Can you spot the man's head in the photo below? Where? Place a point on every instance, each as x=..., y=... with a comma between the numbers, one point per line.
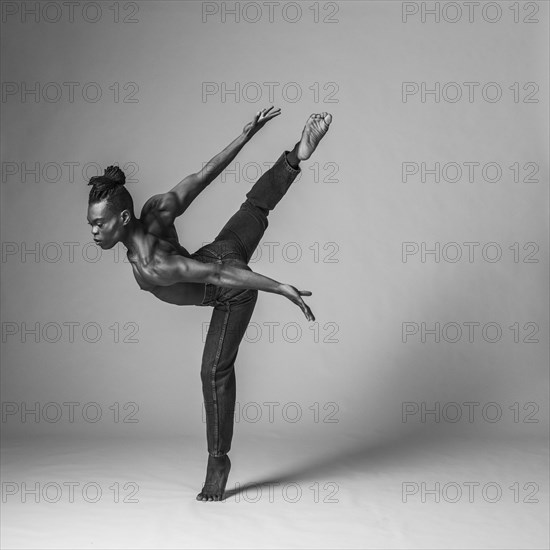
x=110, y=207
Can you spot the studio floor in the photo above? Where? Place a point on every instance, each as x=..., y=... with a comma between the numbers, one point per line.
x=417, y=492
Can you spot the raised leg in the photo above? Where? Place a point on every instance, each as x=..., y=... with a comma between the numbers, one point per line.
x=247, y=226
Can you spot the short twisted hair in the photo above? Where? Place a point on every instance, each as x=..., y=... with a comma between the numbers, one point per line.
x=110, y=187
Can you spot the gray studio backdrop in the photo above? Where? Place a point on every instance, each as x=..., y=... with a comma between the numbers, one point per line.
x=420, y=224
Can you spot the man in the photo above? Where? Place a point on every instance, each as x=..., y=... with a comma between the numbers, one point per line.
x=216, y=275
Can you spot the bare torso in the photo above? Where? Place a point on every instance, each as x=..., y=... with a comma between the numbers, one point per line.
x=159, y=242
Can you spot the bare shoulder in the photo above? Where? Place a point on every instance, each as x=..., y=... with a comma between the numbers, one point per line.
x=159, y=203
x=158, y=215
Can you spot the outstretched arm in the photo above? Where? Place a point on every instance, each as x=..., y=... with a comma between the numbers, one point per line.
x=185, y=192
x=179, y=269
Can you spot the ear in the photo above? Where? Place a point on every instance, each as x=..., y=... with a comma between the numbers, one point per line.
x=126, y=217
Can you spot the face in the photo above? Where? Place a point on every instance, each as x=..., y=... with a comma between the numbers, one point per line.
x=108, y=228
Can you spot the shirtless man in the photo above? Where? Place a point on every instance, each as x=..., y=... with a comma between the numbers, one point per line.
x=216, y=275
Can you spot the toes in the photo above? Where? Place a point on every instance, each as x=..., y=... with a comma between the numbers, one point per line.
x=208, y=498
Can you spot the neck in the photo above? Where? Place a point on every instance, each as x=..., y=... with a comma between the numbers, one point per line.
x=134, y=236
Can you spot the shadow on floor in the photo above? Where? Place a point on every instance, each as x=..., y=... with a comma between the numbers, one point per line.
x=356, y=459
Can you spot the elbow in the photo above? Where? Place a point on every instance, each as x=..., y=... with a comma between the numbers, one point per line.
x=207, y=173
x=215, y=276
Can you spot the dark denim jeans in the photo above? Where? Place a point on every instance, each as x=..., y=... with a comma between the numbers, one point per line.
x=233, y=308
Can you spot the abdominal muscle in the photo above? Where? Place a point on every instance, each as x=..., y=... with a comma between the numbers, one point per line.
x=180, y=294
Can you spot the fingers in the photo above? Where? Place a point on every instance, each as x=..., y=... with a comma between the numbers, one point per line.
x=267, y=115
x=304, y=293
x=307, y=311
x=273, y=114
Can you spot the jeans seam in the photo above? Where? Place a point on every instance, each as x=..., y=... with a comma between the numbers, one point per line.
x=216, y=427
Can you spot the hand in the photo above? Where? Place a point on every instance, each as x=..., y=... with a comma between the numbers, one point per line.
x=259, y=121
x=295, y=295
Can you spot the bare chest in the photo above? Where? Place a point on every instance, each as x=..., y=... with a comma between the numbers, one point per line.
x=180, y=294
x=144, y=261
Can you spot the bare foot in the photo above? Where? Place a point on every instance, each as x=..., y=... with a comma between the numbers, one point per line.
x=217, y=473
x=314, y=130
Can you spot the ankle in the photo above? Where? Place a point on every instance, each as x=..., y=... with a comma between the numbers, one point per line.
x=218, y=458
x=292, y=157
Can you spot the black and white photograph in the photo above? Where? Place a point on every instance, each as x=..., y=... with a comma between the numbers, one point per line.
x=274, y=274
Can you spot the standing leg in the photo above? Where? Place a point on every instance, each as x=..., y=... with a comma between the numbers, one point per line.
x=227, y=328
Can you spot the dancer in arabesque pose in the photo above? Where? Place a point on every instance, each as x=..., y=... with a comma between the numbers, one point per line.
x=216, y=275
